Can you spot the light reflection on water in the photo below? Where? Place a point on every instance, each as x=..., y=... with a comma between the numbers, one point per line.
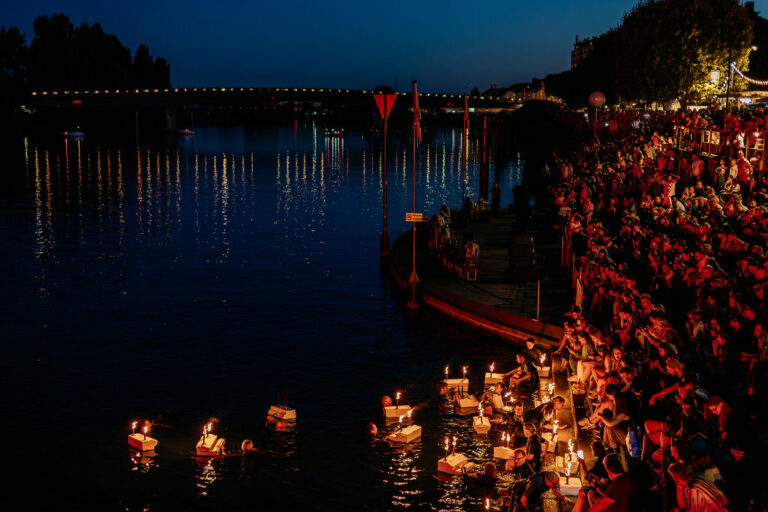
x=248, y=266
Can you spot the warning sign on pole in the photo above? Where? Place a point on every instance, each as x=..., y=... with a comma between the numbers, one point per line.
x=414, y=217
x=385, y=103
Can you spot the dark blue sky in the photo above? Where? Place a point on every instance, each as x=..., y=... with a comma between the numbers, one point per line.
x=446, y=45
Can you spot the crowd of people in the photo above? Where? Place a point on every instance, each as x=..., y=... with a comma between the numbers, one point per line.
x=668, y=346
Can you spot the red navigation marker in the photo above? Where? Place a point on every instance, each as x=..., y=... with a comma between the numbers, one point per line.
x=385, y=103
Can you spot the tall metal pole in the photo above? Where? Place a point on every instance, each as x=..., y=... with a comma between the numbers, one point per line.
x=413, y=281
x=384, y=251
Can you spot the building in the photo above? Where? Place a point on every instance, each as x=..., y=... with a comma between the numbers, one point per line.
x=581, y=50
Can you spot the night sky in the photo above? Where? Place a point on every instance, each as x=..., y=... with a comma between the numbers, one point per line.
x=447, y=45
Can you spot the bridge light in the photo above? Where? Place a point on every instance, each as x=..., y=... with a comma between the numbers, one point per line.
x=34, y=93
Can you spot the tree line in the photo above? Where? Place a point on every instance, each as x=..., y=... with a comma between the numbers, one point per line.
x=62, y=57
x=663, y=50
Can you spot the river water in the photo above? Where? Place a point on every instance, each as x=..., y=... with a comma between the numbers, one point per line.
x=199, y=277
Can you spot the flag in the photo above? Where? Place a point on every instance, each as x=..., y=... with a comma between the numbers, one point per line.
x=416, y=113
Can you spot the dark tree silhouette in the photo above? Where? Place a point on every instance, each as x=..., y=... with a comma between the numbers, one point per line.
x=13, y=67
x=62, y=57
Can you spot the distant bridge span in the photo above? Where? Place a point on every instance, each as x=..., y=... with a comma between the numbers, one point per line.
x=261, y=98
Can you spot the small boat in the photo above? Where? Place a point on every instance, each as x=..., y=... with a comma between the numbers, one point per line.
x=186, y=132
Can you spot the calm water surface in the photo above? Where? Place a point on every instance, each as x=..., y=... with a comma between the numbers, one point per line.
x=201, y=277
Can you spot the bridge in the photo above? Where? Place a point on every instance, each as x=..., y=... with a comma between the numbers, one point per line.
x=169, y=109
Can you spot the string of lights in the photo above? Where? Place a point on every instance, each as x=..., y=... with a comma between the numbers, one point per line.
x=762, y=83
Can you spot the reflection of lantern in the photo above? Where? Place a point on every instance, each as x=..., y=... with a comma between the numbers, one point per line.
x=597, y=99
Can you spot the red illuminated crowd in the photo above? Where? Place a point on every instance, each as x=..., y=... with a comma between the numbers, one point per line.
x=669, y=345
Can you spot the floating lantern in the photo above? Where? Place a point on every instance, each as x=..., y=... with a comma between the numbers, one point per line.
x=468, y=402
x=503, y=452
x=454, y=463
x=209, y=445
x=492, y=378
x=480, y=423
x=282, y=412
x=395, y=411
x=409, y=433
x=141, y=442
x=457, y=384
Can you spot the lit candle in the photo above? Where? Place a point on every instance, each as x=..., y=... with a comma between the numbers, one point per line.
x=487, y=504
x=543, y=356
x=409, y=413
x=464, y=371
x=454, y=445
x=555, y=426
x=446, y=447
x=492, y=366
x=145, y=429
x=400, y=422
x=446, y=372
x=397, y=400
x=133, y=427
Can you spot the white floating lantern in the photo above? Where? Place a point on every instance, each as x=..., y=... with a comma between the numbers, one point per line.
x=209, y=445
x=569, y=485
x=480, y=423
x=395, y=411
x=406, y=435
x=492, y=378
x=468, y=402
x=454, y=464
x=142, y=441
x=458, y=384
